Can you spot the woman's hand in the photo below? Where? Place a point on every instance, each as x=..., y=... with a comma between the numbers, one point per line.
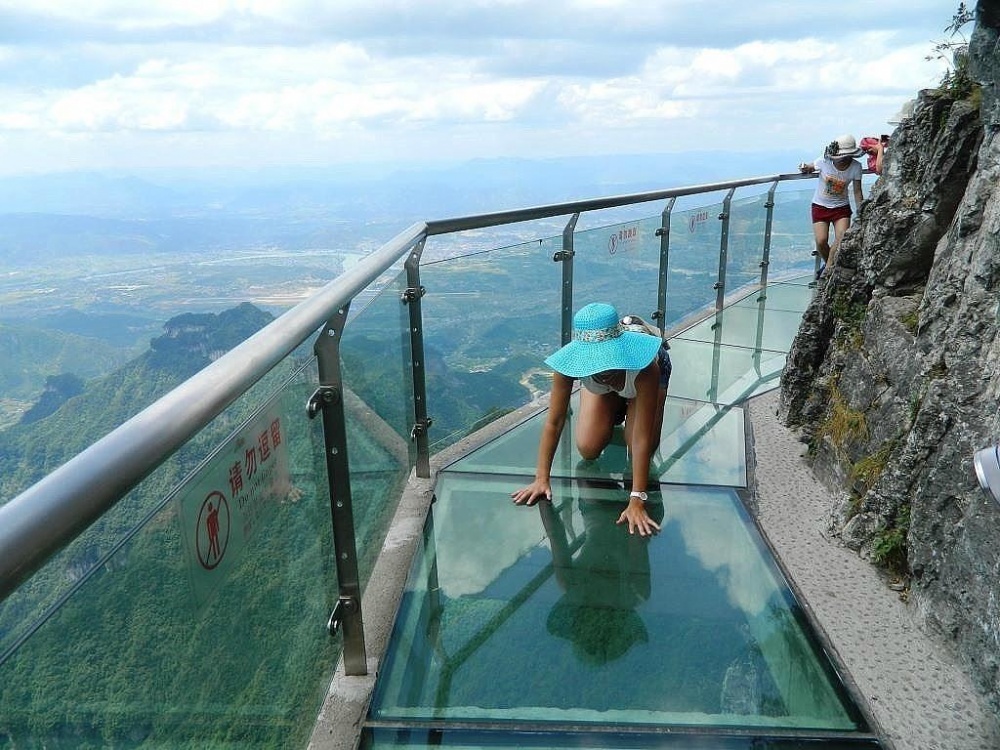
x=638, y=519
x=537, y=490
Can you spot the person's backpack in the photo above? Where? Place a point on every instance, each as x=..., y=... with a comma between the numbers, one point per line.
x=637, y=324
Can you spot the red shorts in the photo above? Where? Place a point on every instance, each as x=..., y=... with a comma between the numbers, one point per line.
x=824, y=215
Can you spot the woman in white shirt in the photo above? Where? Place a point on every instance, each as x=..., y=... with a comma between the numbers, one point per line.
x=831, y=204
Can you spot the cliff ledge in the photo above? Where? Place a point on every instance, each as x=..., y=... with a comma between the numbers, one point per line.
x=894, y=377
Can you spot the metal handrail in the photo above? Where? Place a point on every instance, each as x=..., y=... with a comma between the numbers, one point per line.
x=47, y=516
x=481, y=221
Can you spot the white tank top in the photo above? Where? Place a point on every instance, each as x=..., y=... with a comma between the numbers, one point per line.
x=627, y=391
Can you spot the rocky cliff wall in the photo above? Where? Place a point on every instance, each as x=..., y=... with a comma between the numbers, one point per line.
x=894, y=377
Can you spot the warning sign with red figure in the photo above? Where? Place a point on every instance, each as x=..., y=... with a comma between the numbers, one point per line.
x=230, y=499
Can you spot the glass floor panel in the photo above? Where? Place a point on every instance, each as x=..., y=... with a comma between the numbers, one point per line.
x=701, y=443
x=722, y=374
x=555, y=616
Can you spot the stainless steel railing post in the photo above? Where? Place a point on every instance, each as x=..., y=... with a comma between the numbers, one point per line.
x=720, y=294
x=328, y=401
x=565, y=256
x=421, y=421
x=720, y=285
x=765, y=260
x=660, y=316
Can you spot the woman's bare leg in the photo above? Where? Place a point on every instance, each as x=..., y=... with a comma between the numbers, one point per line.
x=839, y=227
x=595, y=422
x=821, y=233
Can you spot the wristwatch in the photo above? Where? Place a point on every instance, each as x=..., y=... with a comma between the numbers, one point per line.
x=641, y=495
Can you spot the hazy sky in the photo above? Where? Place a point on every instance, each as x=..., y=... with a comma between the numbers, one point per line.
x=130, y=83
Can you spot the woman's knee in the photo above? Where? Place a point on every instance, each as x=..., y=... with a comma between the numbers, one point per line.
x=591, y=446
x=593, y=439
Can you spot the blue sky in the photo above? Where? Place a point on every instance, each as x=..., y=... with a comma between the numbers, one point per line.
x=119, y=84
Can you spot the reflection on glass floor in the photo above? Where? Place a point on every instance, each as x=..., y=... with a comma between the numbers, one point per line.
x=551, y=626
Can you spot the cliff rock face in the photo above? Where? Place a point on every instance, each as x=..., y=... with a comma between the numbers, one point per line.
x=894, y=377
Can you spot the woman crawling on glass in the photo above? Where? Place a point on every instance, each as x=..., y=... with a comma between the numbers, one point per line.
x=624, y=368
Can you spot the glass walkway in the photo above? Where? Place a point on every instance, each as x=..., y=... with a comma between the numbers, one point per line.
x=195, y=577
x=551, y=626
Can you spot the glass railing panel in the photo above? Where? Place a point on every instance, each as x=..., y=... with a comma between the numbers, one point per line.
x=792, y=295
x=619, y=264
x=791, y=235
x=490, y=320
x=471, y=242
x=20, y=611
x=693, y=269
x=378, y=407
x=747, y=222
x=546, y=615
x=753, y=327
x=204, y=626
x=721, y=374
x=700, y=444
x=376, y=359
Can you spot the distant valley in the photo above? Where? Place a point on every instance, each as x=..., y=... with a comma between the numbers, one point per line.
x=92, y=266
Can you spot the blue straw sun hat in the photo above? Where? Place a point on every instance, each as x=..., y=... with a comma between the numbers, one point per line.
x=601, y=343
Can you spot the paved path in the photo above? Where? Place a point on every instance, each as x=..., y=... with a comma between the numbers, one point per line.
x=912, y=680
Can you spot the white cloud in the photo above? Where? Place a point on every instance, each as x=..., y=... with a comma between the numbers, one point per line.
x=614, y=104
x=557, y=75
x=277, y=89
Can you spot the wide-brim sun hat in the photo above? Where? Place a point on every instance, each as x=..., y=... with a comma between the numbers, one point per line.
x=845, y=147
x=600, y=343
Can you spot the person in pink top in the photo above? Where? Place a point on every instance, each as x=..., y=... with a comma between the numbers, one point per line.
x=839, y=174
x=875, y=148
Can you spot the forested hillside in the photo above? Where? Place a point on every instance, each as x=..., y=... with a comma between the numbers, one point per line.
x=30, y=451
x=30, y=355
